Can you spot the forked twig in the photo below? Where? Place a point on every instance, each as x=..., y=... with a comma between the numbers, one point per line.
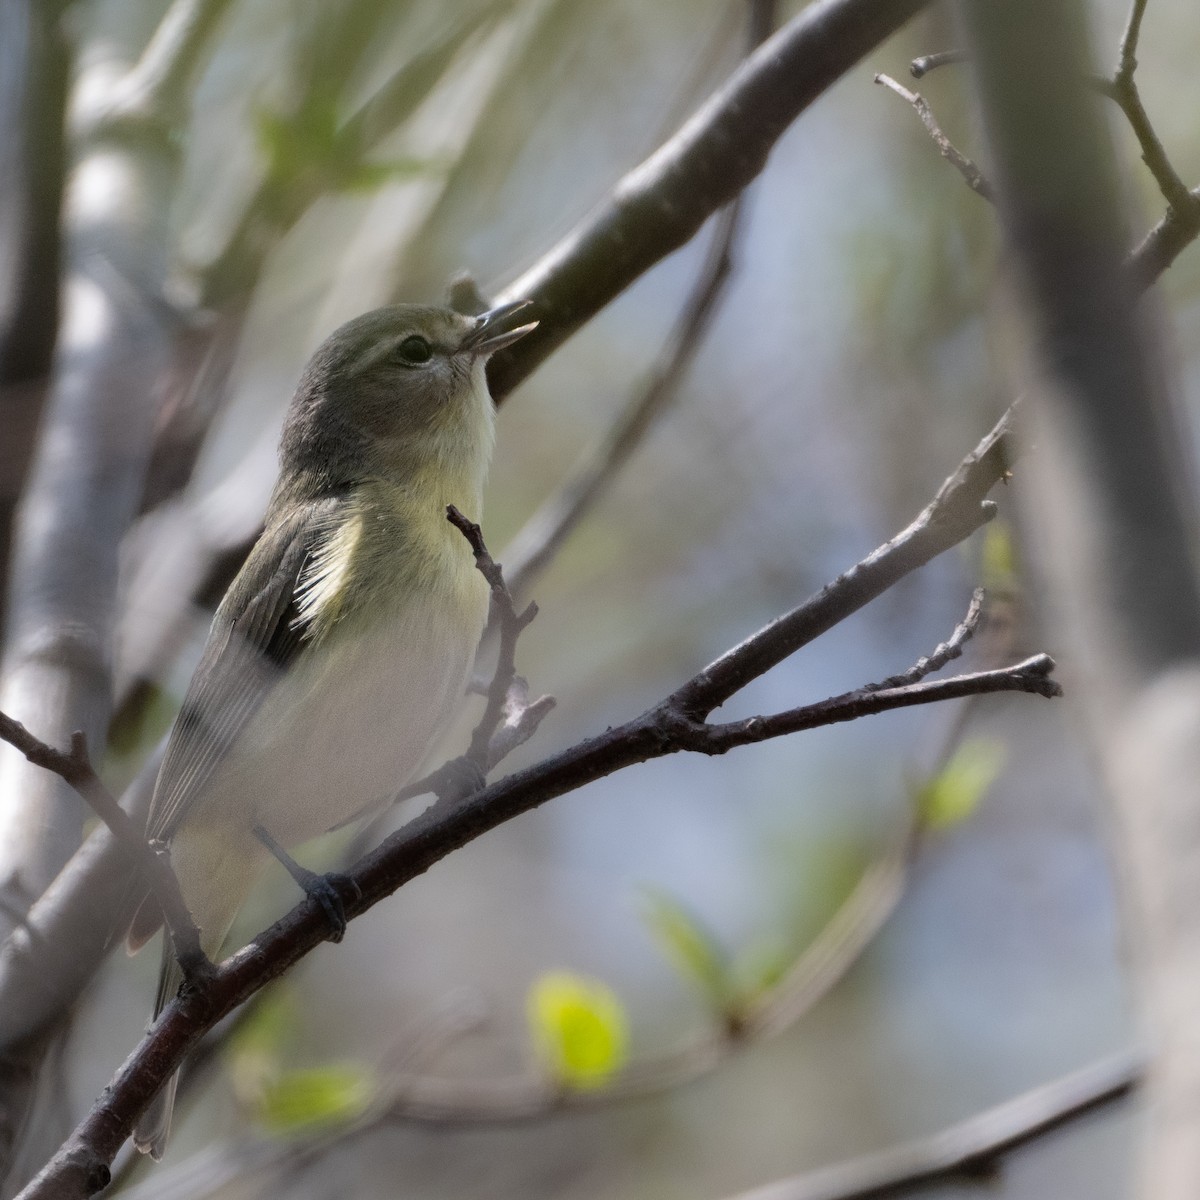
x=75, y=768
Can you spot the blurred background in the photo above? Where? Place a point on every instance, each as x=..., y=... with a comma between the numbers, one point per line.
x=853, y=362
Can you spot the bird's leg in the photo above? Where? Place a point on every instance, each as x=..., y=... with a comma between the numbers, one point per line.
x=321, y=889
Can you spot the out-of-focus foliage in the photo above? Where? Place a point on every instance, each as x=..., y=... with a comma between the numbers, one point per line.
x=692, y=949
x=308, y=1099
x=955, y=792
x=998, y=559
x=579, y=1029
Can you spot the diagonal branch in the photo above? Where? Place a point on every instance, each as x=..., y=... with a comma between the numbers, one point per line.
x=966, y=167
x=75, y=768
x=959, y=508
x=156, y=87
x=1124, y=91
x=971, y=1148
x=722, y=147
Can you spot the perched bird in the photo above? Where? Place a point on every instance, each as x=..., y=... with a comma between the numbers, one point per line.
x=339, y=652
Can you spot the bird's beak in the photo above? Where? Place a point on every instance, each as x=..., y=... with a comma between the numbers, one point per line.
x=494, y=329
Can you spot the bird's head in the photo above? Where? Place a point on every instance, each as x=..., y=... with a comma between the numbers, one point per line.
x=397, y=391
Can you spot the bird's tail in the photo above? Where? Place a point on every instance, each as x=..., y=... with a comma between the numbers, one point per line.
x=154, y=1125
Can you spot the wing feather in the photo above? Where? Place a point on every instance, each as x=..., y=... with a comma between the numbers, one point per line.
x=256, y=634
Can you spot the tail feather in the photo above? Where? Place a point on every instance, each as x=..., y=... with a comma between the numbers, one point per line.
x=154, y=1125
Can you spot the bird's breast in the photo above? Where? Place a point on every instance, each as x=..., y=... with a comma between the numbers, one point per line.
x=396, y=614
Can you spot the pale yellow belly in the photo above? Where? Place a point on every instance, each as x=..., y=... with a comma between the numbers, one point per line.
x=343, y=731
x=349, y=725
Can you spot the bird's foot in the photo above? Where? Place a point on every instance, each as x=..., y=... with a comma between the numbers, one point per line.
x=325, y=891
x=198, y=971
x=458, y=779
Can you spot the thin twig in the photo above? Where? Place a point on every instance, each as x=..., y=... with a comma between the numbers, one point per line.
x=1032, y=676
x=1124, y=90
x=973, y=176
x=973, y=1147
x=75, y=768
x=511, y=624
x=945, y=652
x=509, y=717
x=543, y=534
x=1127, y=59
x=1179, y=226
x=959, y=508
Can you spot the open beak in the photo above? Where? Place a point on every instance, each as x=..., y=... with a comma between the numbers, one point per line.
x=495, y=329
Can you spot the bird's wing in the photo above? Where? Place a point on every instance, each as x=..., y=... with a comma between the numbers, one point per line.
x=256, y=634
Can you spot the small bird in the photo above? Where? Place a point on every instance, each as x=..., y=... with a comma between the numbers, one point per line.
x=341, y=649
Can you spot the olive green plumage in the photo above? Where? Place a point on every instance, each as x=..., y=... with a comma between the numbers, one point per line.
x=339, y=652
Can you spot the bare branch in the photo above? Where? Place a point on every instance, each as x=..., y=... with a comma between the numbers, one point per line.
x=1177, y=230
x=75, y=768
x=1179, y=226
x=972, y=1147
x=943, y=653
x=1127, y=60
x=509, y=718
x=920, y=67
x=661, y=204
x=959, y=508
x=1032, y=675
x=511, y=624
x=960, y=162
x=1123, y=90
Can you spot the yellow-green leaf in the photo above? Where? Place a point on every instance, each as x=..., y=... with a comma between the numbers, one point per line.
x=270, y=1026
x=579, y=1028
x=319, y=1096
x=760, y=967
x=955, y=792
x=998, y=559
x=692, y=949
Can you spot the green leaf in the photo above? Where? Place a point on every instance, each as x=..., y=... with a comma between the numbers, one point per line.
x=257, y=1047
x=691, y=947
x=761, y=967
x=955, y=792
x=998, y=560
x=579, y=1029
x=318, y=1096
x=270, y=1026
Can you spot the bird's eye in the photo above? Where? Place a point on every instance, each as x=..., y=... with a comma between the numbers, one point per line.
x=414, y=351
